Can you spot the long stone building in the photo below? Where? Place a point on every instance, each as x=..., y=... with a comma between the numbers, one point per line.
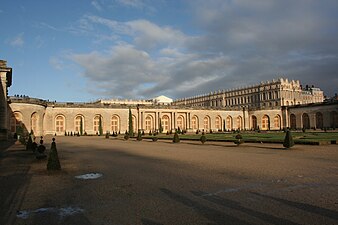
x=272, y=105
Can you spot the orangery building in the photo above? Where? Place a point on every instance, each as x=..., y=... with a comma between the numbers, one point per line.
x=270, y=105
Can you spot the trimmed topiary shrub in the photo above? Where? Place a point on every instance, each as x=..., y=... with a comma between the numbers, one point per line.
x=29, y=144
x=288, y=140
x=53, y=159
x=139, y=136
x=203, y=138
x=239, y=139
x=176, y=138
x=155, y=138
x=126, y=136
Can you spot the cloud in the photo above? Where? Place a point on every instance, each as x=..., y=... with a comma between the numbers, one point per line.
x=17, y=41
x=96, y=5
x=238, y=43
x=56, y=63
x=124, y=71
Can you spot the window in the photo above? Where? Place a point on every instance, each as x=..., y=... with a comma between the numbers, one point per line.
x=194, y=123
x=218, y=123
x=276, y=122
x=180, y=122
x=229, y=122
x=265, y=123
x=60, y=123
x=134, y=122
x=149, y=123
x=97, y=123
x=239, y=122
x=79, y=123
x=115, y=123
x=165, y=123
x=206, y=123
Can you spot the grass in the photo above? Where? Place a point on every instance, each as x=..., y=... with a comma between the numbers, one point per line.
x=267, y=137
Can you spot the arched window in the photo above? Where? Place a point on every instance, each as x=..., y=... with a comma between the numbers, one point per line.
x=149, y=123
x=239, y=122
x=60, y=123
x=134, y=122
x=180, y=123
x=293, y=121
x=319, y=120
x=265, y=122
x=194, y=123
x=165, y=123
x=206, y=122
x=229, y=123
x=97, y=123
x=34, y=123
x=254, y=122
x=276, y=122
x=115, y=123
x=79, y=123
x=218, y=123
x=306, y=121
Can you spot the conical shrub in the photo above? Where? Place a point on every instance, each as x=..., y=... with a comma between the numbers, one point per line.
x=29, y=145
x=53, y=159
x=203, y=138
x=139, y=136
x=176, y=138
x=288, y=140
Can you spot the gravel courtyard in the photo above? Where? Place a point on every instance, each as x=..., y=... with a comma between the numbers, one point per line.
x=153, y=183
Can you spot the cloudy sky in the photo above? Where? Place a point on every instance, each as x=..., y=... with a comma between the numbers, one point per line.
x=86, y=50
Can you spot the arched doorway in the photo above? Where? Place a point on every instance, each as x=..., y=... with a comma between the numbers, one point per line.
x=254, y=122
x=306, y=121
x=334, y=119
x=319, y=120
x=293, y=121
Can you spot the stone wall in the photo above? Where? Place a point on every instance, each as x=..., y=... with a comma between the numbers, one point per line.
x=5, y=81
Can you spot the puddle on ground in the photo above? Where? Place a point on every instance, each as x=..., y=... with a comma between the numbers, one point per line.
x=89, y=176
x=62, y=212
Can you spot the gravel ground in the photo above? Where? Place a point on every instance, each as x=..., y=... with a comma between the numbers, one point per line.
x=153, y=183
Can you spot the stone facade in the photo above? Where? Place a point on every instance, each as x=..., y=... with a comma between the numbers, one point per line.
x=5, y=82
x=268, y=106
x=266, y=95
x=55, y=118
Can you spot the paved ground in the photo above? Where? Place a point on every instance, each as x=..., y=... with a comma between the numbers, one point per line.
x=154, y=183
